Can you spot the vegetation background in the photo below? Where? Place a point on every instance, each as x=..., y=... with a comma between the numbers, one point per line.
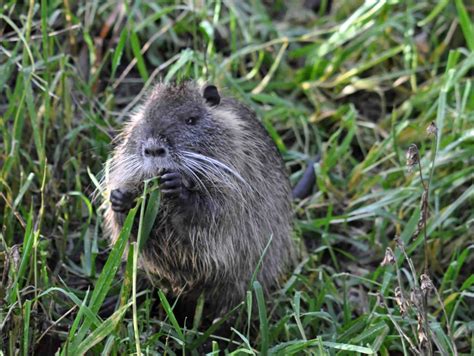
x=356, y=82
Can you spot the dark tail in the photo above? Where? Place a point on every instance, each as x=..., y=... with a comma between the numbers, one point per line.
x=305, y=185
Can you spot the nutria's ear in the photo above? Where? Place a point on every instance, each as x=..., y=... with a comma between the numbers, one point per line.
x=211, y=95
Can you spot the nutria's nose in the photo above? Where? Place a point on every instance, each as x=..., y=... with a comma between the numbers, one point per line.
x=154, y=150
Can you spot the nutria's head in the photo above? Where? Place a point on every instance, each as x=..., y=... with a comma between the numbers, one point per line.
x=175, y=119
x=180, y=126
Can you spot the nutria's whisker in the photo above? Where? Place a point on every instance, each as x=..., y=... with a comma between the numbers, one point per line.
x=217, y=177
x=214, y=163
x=198, y=180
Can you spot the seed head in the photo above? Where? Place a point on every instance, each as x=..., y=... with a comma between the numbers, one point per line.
x=412, y=156
x=401, y=301
x=422, y=337
x=416, y=298
x=432, y=129
x=389, y=258
x=426, y=284
x=381, y=300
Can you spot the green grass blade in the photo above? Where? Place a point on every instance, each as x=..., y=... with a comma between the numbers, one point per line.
x=184, y=58
x=105, y=329
x=26, y=327
x=23, y=190
x=119, y=51
x=262, y=315
x=25, y=259
x=136, y=48
x=107, y=275
x=91, y=316
x=169, y=312
x=148, y=215
x=466, y=24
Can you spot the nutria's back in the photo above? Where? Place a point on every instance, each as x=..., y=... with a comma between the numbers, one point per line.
x=225, y=193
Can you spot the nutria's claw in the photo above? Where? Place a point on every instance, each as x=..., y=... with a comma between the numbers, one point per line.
x=121, y=200
x=172, y=185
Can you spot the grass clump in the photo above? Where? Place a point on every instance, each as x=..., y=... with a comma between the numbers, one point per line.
x=357, y=85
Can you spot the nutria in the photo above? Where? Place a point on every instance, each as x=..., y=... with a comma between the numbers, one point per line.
x=225, y=194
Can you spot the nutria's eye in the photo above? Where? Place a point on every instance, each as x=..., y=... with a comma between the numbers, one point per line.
x=191, y=120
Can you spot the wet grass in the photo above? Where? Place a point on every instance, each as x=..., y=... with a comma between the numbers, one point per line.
x=357, y=86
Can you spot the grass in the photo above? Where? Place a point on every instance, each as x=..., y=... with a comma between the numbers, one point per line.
x=358, y=86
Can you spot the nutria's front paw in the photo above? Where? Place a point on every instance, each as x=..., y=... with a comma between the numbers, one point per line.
x=121, y=200
x=173, y=185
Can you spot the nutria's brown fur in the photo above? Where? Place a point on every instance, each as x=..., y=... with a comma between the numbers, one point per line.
x=224, y=189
